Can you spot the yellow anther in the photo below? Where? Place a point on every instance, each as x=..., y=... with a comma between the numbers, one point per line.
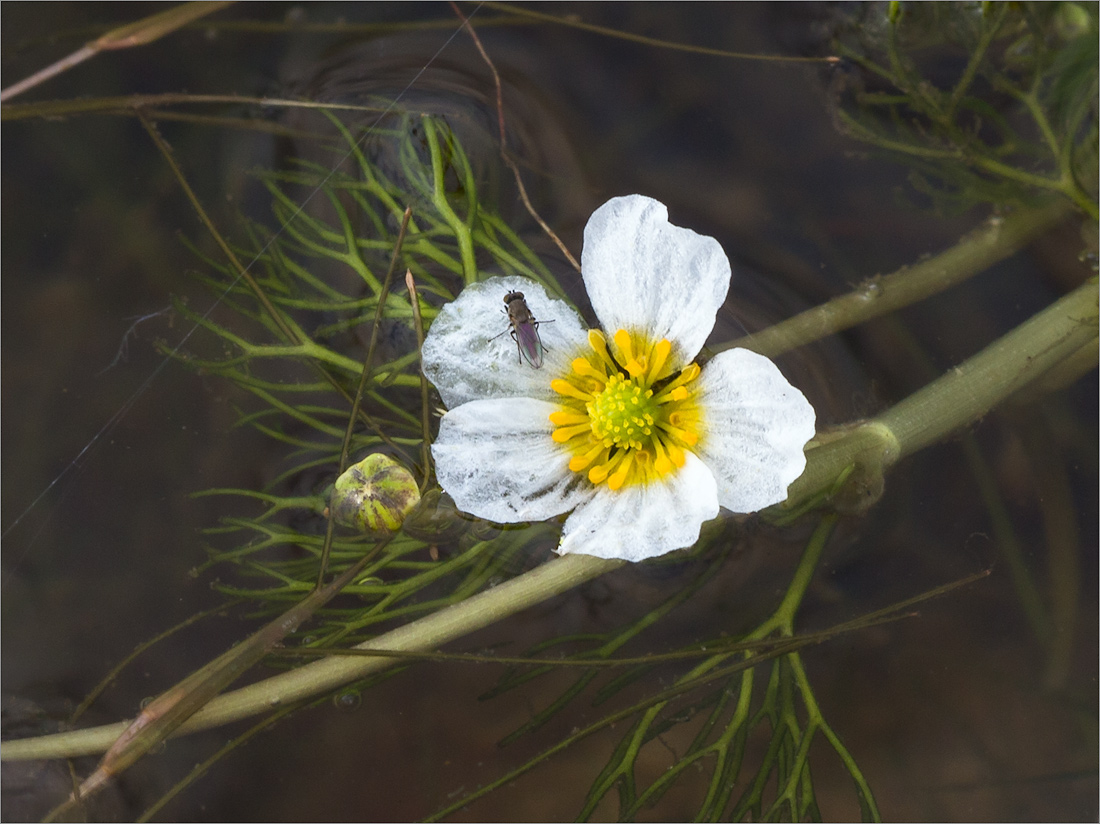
x=564, y=417
x=599, y=345
x=568, y=389
x=618, y=477
x=579, y=463
x=566, y=433
x=582, y=367
x=622, y=340
x=598, y=474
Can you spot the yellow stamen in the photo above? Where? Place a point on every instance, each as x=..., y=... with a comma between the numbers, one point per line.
x=578, y=463
x=617, y=427
x=661, y=463
x=564, y=417
x=599, y=345
x=566, y=388
x=598, y=474
x=622, y=340
x=660, y=355
x=618, y=477
x=582, y=367
x=684, y=436
x=566, y=433
x=676, y=454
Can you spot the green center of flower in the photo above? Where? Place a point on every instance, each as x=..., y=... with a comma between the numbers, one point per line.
x=625, y=416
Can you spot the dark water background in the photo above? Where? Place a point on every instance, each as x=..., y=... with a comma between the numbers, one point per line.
x=951, y=716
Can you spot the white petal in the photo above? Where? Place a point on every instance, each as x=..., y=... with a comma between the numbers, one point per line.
x=640, y=522
x=469, y=353
x=644, y=274
x=755, y=426
x=496, y=459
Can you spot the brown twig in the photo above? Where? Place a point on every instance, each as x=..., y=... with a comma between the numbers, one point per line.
x=139, y=33
x=425, y=419
x=168, y=711
x=651, y=41
x=508, y=161
x=292, y=332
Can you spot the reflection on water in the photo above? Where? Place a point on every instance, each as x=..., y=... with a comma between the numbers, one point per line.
x=958, y=714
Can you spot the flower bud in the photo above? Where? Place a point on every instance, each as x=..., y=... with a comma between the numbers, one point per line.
x=374, y=494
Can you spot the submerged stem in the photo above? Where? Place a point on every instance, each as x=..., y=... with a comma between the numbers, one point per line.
x=972, y=255
x=476, y=612
x=959, y=397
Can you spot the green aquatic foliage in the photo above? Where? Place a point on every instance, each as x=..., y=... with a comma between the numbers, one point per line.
x=324, y=274
x=983, y=102
x=441, y=557
x=324, y=353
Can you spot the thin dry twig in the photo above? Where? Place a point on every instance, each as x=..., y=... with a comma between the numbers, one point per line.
x=425, y=418
x=292, y=333
x=139, y=33
x=572, y=22
x=509, y=162
x=164, y=715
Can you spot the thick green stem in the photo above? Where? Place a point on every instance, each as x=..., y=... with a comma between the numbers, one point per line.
x=474, y=613
x=973, y=254
x=967, y=392
x=959, y=397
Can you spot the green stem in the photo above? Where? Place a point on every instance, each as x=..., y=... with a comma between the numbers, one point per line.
x=476, y=612
x=1056, y=184
x=816, y=721
x=959, y=397
x=966, y=393
x=973, y=254
x=783, y=617
x=988, y=35
x=461, y=231
x=1031, y=102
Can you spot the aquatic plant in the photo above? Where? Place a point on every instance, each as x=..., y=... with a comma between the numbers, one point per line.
x=1016, y=124
x=329, y=398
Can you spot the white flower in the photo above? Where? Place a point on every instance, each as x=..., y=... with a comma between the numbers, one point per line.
x=620, y=427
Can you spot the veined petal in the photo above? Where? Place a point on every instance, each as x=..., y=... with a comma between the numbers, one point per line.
x=469, y=353
x=496, y=459
x=644, y=521
x=755, y=425
x=644, y=274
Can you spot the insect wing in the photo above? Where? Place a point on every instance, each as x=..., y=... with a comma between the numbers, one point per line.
x=529, y=343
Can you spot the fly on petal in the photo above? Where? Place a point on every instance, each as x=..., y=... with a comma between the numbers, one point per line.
x=525, y=329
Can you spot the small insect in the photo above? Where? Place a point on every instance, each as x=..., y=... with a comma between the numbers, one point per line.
x=525, y=330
